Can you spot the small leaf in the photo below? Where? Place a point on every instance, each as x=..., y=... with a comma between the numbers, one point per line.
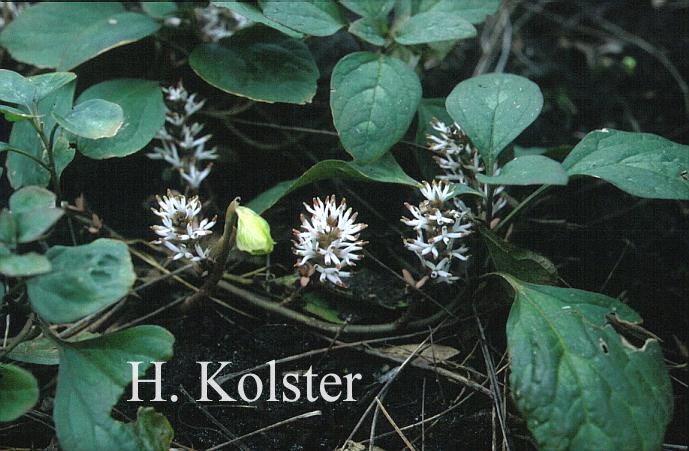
x=259, y=63
x=144, y=115
x=23, y=171
x=34, y=212
x=63, y=35
x=159, y=10
x=42, y=351
x=521, y=263
x=474, y=11
x=8, y=228
x=370, y=8
x=641, y=164
x=493, y=109
x=314, y=17
x=576, y=380
x=384, y=170
x=251, y=12
x=373, y=100
x=18, y=392
x=152, y=430
x=25, y=265
x=96, y=118
x=321, y=307
x=92, y=376
x=434, y=27
x=13, y=114
x=528, y=170
x=369, y=30
x=46, y=84
x=84, y=279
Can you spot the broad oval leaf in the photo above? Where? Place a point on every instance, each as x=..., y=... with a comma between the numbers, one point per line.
x=641, y=164
x=144, y=115
x=94, y=119
x=434, y=27
x=493, y=109
x=259, y=63
x=528, y=170
x=314, y=17
x=33, y=209
x=373, y=100
x=92, y=376
x=578, y=382
x=23, y=171
x=18, y=392
x=83, y=280
x=384, y=170
x=251, y=12
x=25, y=265
x=63, y=35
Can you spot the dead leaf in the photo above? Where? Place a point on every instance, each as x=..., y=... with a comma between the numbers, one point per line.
x=429, y=354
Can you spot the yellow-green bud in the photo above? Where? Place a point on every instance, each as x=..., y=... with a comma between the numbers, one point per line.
x=253, y=233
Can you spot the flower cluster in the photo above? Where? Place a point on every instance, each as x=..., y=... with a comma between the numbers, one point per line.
x=182, y=231
x=440, y=228
x=328, y=241
x=218, y=23
x=181, y=144
x=461, y=161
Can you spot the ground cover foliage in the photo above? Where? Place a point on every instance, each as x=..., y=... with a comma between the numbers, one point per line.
x=532, y=296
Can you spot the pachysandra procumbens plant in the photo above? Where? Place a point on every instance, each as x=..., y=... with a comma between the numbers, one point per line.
x=66, y=285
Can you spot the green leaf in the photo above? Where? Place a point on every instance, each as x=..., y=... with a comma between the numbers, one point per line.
x=251, y=12
x=13, y=114
x=373, y=100
x=384, y=170
x=144, y=115
x=314, y=17
x=14, y=88
x=321, y=307
x=92, y=376
x=43, y=351
x=474, y=11
x=368, y=30
x=641, y=164
x=528, y=170
x=25, y=265
x=18, y=392
x=152, y=430
x=34, y=212
x=84, y=280
x=259, y=63
x=63, y=35
x=23, y=171
x=434, y=27
x=493, y=109
x=46, y=84
x=371, y=8
x=159, y=10
x=8, y=228
x=521, y=263
x=94, y=119
x=578, y=382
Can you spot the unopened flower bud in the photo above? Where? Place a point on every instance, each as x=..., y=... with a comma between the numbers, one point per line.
x=253, y=233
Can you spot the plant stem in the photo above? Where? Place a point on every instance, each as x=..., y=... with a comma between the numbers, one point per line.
x=522, y=205
x=26, y=330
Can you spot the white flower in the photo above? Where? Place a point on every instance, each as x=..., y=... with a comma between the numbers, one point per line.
x=440, y=230
x=329, y=240
x=218, y=23
x=193, y=176
x=182, y=229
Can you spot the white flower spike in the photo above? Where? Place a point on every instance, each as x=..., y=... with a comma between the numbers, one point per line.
x=328, y=241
